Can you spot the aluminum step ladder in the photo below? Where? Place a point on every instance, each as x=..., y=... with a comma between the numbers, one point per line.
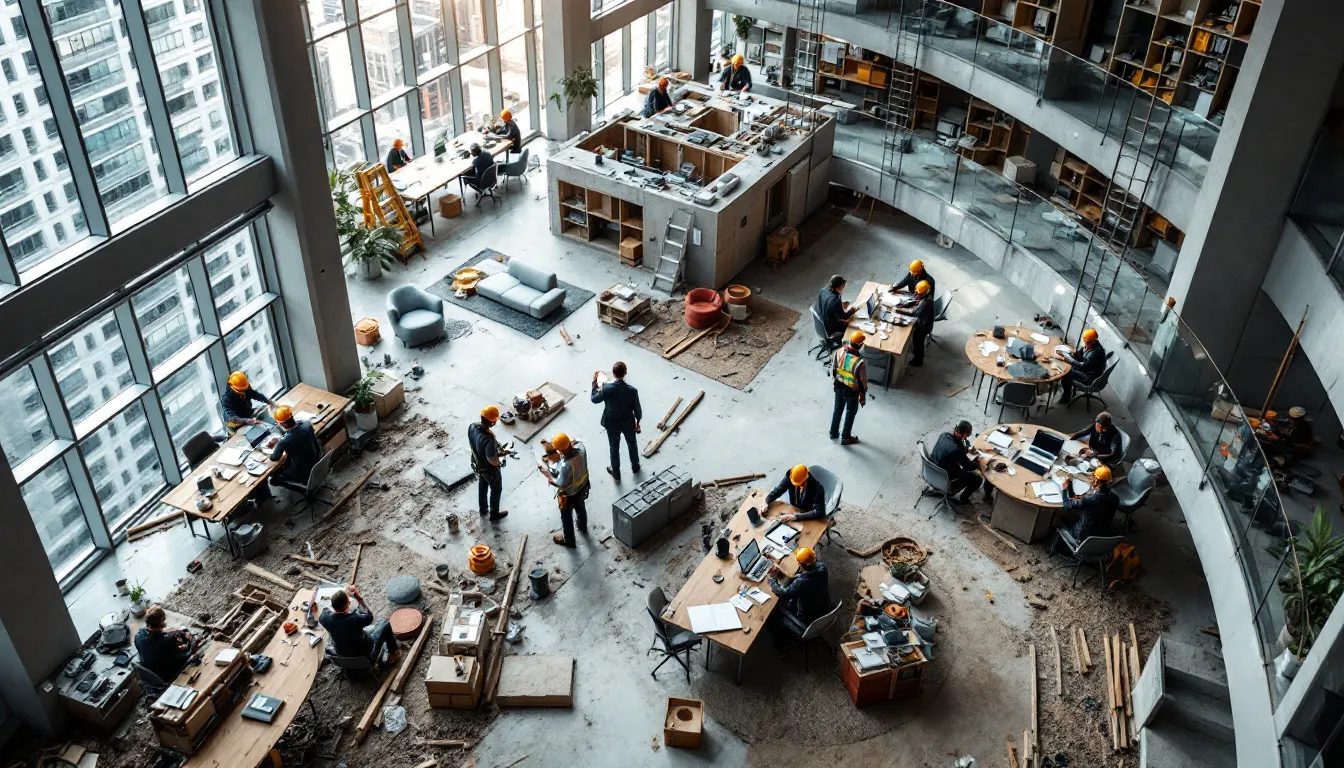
x=667, y=276
x=803, y=79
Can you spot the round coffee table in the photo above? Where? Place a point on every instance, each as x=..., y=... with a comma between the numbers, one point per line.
x=987, y=365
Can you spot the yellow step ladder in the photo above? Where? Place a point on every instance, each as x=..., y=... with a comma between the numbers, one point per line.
x=383, y=207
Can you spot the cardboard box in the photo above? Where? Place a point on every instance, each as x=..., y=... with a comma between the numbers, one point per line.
x=463, y=628
x=632, y=249
x=1019, y=169
x=388, y=393
x=450, y=689
x=450, y=206
x=684, y=725
x=366, y=332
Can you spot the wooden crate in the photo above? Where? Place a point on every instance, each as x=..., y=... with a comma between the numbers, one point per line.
x=632, y=252
x=684, y=725
x=615, y=311
x=781, y=245
x=449, y=689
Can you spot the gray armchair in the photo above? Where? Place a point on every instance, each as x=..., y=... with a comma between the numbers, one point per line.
x=417, y=316
x=516, y=169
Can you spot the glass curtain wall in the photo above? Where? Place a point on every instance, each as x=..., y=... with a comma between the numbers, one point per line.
x=418, y=70
x=620, y=58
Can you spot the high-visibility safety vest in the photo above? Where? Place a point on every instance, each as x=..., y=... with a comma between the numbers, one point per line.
x=847, y=368
x=577, y=462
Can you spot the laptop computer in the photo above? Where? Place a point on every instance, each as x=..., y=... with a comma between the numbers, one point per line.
x=869, y=308
x=256, y=433
x=1041, y=454
x=752, y=563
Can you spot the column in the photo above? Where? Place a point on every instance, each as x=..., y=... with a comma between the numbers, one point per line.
x=280, y=104
x=1282, y=93
x=694, y=24
x=569, y=40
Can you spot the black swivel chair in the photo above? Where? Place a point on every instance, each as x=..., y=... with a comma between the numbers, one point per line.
x=671, y=642
x=485, y=185
x=1133, y=491
x=937, y=482
x=199, y=447
x=151, y=684
x=317, y=478
x=1088, y=392
x=826, y=342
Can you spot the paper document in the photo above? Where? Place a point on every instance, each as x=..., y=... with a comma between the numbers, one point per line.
x=1072, y=447
x=233, y=456
x=1000, y=439
x=1081, y=487
x=782, y=535
x=305, y=416
x=716, y=617
x=1040, y=338
x=988, y=348
x=873, y=641
x=759, y=596
x=1048, y=491
x=177, y=697
x=868, y=327
x=742, y=603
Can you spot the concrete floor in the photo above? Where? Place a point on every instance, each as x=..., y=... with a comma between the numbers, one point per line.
x=779, y=420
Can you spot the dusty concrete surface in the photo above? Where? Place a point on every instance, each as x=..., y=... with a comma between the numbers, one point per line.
x=979, y=690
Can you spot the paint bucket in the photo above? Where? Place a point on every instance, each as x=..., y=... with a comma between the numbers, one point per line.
x=541, y=586
x=480, y=559
x=452, y=524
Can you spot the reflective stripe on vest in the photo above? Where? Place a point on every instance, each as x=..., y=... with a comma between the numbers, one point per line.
x=578, y=467
x=846, y=371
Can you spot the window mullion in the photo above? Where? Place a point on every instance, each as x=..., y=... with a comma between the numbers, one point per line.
x=160, y=123
x=163, y=438
x=496, y=74
x=450, y=35
x=459, y=112
x=8, y=272
x=355, y=36
x=82, y=482
x=62, y=428
x=534, y=97
x=136, y=356
x=488, y=17
x=205, y=297
x=626, y=64
x=231, y=83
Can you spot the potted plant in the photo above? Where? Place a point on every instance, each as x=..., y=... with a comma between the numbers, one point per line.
x=743, y=23
x=1307, y=604
x=364, y=400
x=139, y=600
x=347, y=213
x=579, y=85
x=373, y=250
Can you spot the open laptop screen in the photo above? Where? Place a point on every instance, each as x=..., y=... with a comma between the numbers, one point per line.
x=747, y=557
x=1048, y=442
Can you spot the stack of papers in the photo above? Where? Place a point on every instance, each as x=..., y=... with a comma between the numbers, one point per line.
x=756, y=594
x=1072, y=447
x=867, y=659
x=177, y=697
x=742, y=603
x=873, y=641
x=1040, y=338
x=1048, y=491
x=232, y=456
x=716, y=617
x=1000, y=439
x=988, y=348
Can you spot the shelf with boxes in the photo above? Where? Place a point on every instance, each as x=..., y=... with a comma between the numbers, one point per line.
x=998, y=135
x=1061, y=23
x=605, y=221
x=1083, y=189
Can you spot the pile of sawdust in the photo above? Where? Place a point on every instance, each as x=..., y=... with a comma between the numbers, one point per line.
x=733, y=357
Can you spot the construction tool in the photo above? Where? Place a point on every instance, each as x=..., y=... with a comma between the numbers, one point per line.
x=383, y=207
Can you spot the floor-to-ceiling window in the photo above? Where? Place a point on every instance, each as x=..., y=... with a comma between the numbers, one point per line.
x=621, y=57
x=420, y=70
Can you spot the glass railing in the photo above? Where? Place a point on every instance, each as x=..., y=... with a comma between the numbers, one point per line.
x=1118, y=108
x=1110, y=291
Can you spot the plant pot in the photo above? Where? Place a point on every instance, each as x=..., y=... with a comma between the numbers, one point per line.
x=138, y=610
x=1285, y=669
x=366, y=420
x=122, y=588
x=370, y=269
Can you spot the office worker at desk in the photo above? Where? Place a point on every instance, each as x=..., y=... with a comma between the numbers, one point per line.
x=804, y=492
x=397, y=157
x=237, y=402
x=806, y=597
x=736, y=78
x=481, y=162
x=1101, y=440
x=912, y=278
x=508, y=127
x=1095, y=509
x=835, y=312
x=1088, y=363
x=659, y=100
x=922, y=312
x=950, y=453
x=298, y=446
x=162, y=652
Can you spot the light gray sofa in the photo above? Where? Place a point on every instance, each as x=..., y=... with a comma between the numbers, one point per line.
x=525, y=288
x=417, y=316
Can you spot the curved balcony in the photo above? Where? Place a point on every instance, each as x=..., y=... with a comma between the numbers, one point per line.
x=1178, y=397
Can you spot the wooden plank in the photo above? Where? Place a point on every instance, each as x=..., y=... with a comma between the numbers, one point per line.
x=1087, y=652
x=565, y=335
x=312, y=561
x=167, y=525
x=496, y=659
x=1110, y=690
x=435, y=587
x=1026, y=748
x=412, y=656
x=663, y=424
x=354, y=570
x=1012, y=753
x=1135, y=669
x=372, y=710
x=724, y=482
x=349, y=492
x=444, y=743
x=315, y=576
x=1059, y=669
x=1035, y=701
x=1077, y=654
x=686, y=344
x=1124, y=677
x=257, y=570
x=156, y=522
x=653, y=447
x=1000, y=536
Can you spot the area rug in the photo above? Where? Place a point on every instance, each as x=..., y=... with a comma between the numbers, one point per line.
x=735, y=356
x=491, y=261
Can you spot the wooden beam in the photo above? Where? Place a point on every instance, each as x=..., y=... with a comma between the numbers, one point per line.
x=444, y=743
x=734, y=480
x=1077, y=654
x=412, y=656
x=372, y=711
x=1012, y=753
x=315, y=576
x=348, y=493
x=496, y=662
x=1059, y=668
x=354, y=570
x=565, y=335
x=166, y=525
x=1035, y=700
x=685, y=344
x=1002, y=538
x=653, y=447
x=663, y=424
x=156, y=522
x=1087, y=652
x=312, y=561
x=257, y=570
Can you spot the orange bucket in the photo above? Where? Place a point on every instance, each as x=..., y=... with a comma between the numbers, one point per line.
x=480, y=559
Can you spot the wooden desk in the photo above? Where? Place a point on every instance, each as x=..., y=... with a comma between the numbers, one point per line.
x=988, y=366
x=897, y=343
x=700, y=589
x=241, y=743
x=230, y=495
x=1016, y=509
x=420, y=178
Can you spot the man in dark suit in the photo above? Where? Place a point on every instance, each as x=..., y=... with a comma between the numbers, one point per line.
x=620, y=417
x=835, y=312
x=1088, y=363
x=803, y=491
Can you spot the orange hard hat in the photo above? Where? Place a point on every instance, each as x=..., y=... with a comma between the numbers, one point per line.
x=663, y=83
x=922, y=288
x=737, y=61
x=858, y=338
x=283, y=413
x=490, y=413
x=1090, y=335
x=916, y=266
x=238, y=381
x=798, y=475
x=561, y=442
x=396, y=143
x=506, y=115
x=1103, y=473
x=805, y=556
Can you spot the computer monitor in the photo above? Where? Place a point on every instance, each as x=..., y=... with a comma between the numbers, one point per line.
x=948, y=128
x=748, y=556
x=1048, y=442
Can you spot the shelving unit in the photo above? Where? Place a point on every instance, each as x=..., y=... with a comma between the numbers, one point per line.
x=928, y=93
x=773, y=51
x=574, y=211
x=998, y=134
x=1082, y=188
x=632, y=229
x=598, y=219
x=864, y=75
x=1061, y=23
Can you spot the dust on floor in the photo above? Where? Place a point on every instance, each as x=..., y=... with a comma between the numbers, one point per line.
x=733, y=357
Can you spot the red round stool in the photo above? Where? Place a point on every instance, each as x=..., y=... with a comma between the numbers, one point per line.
x=405, y=623
x=704, y=308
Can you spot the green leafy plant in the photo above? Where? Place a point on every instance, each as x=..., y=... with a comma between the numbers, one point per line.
x=137, y=593
x=579, y=85
x=743, y=23
x=347, y=213
x=380, y=244
x=362, y=395
x=901, y=569
x=1306, y=605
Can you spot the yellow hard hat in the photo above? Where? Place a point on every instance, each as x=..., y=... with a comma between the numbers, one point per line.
x=490, y=413
x=238, y=381
x=916, y=266
x=1103, y=473
x=737, y=60
x=506, y=115
x=663, y=83
x=283, y=413
x=922, y=288
x=858, y=338
x=798, y=475
x=1090, y=335
x=805, y=556
x=561, y=442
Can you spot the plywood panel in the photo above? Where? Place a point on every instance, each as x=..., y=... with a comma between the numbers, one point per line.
x=536, y=681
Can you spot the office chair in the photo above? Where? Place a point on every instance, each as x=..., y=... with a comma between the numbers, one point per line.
x=1016, y=394
x=1094, y=550
x=937, y=483
x=814, y=632
x=198, y=448
x=826, y=342
x=1122, y=455
x=940, y=305
x=151, y=684
x=878, y=362
x=317, y=477
x=672, y=642
x=351, y=666
x=834, y=488
x=485, y=186
x=1088, y=392
x=516, y=169
x=1133, y=491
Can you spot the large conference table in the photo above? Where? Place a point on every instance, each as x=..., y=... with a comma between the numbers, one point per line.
x=897, y=343
x=701, y=589
x=423, y=176
x=987, y=364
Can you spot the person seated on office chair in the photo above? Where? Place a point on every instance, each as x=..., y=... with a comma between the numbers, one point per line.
x=352, y=632
x=298, y=447
x=397, y=157
x=162, y=652
x=508, y=128
x=804, y=492
x=736, y=78
x=659, y=100
x=1088, y=363
x=1101, y=440
x=835, y=312
x=237, y=402
x=922, y=312
x=807, y=596
x=1095, y=510
x=913, y=277
x=951, y=453
x=481, y=163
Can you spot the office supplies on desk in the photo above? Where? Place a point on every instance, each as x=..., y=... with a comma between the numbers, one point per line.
x=715, y=617
x=751, y=562
x=177, y=697
x=782, y=534
x=869, y=308
x=759, y=596
x=232, y=456
x=1040, y=338
x=1072, y=447
x=742, y=603
x=262, y=707
x=867, y=659
x=1000, y=439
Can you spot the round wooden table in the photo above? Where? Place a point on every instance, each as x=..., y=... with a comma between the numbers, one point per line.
x=987, y=365
x=1017, y=510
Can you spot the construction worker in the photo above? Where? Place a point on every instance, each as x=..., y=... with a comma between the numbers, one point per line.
x=487, y=462
x=922, y=312
x=917, y=273
x=804, y=492
x=659, y=100
x=1095, y=509
x=736, y=78
x=237, y=402
x=1101, y=440
x=566, y=468
x=354, y=634
x=951, y=452
x=297, y=447
x=806, y=597
x=508, y=128
x=849, y=375
x=1088, y=363
x=621, y=415
x=833, y=310
x=397, y=157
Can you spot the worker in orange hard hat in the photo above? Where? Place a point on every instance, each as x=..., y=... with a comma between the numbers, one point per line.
x=397, y=157
x=659, y=99
x=486, y=461
x=804, y=492
x=565, y=467
x=924, y=315
x=1089, y=362
x=1095, y=509
x=508, y=128
x=297, y=448
x=237, y=402
x=912, y=278
x=849, y=379
x=736, y=78
x=804, y=598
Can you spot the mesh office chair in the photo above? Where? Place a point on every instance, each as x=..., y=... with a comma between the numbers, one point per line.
x=1016, y=394
x=317, y=477
x=878, y=364
x=352, y=667
x=485, y=186
x=940, y=305
x=1094, y=551
x=1121, y=455
x=671, y=641
x=151, y=684
x=834, y=488
x=1133, y=491
x=826, y=342
x=937, y=483
x=814, y=632
x=1088, y=392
